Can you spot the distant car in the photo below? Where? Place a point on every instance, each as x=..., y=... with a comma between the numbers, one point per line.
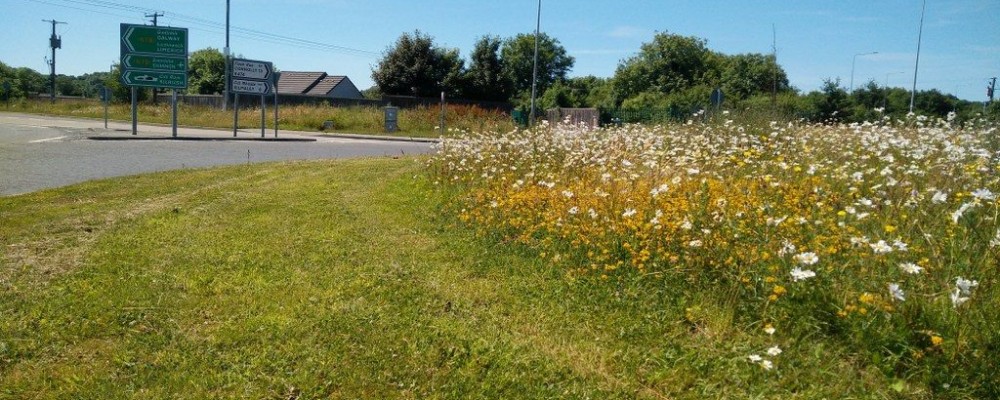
x=144, y=78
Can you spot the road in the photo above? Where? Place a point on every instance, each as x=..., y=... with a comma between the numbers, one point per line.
x=39, y=152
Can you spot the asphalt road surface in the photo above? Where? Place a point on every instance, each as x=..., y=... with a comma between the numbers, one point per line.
x=38, y=152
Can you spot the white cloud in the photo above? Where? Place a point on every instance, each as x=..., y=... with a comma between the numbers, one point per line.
x=626, y=31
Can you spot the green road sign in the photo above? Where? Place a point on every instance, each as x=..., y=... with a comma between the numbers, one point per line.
x=174, y=80
x=157, y=63
x=154, y=56
x=154, y=40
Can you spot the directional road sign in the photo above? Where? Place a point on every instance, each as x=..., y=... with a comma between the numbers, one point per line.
x=250, y=69
x=154, y=40
x=252, y=77
x=154, y=79
x=157, y=63
x=243, y=86
x=153, y=56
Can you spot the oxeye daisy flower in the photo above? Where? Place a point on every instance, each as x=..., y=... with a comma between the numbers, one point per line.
x=910, y=268
x=773, y=351
x=881, y=247
x=799, y=274
x=896, y=292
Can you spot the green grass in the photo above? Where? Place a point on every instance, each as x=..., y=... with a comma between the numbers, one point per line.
x=345, y=279
x=415, y=122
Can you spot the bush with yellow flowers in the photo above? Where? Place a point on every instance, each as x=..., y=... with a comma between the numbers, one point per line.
x=883, y=235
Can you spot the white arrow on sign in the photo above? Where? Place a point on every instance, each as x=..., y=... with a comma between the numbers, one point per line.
x=251, y=87
x=249, y=69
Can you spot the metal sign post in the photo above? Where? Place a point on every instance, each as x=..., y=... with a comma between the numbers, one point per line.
x=106, y=98
x=276, y=76
x=236, y=112
x=135, y=113
x=263, y=121
x=173, y=101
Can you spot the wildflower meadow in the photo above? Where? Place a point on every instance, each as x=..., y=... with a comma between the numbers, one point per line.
x=881, y=237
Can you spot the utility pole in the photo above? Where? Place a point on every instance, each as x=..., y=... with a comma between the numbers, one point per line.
x=225, y=90
x=154, y=16
x=991, y=89
x=55, y=42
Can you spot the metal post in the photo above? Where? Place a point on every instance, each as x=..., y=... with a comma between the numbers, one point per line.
x=225, y=93
x=236, y=113
x=442, y=113
x=275, y=111
x=993, y=88
x=106, y=94
x=173, y=100
x=916, y=66
x=534, y=68
x=263, y=121
x=135, y=113
x=55, y=42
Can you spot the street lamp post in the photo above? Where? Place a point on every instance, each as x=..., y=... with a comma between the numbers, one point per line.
x=534, y=68
x=916, y=65
x=853, y=61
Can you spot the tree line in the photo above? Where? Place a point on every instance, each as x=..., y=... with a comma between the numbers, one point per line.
x=670, y=72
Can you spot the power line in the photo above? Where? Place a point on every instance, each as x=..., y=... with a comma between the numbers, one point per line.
x=243, y=32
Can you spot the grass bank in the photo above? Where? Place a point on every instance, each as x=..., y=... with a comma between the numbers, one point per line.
x=339, y=279
x=415, y=122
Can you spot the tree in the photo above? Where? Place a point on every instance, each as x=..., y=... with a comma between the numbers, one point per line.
x=746, y=75
x=9, y=82
x=207, y=71
x=831, y=102
x=120, y=93
x=518, y=56
x=485, y=77
x=31, y=81
x=414, y=66
x=667, y=64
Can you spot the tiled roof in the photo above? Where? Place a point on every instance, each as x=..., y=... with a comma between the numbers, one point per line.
x=293, y=82
x=325, y=85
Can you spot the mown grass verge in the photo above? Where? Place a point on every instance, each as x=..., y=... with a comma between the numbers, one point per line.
x=415, y=122
x=344, y=279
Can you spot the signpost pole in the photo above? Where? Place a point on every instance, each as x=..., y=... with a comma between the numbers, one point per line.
x=135, y=114
x=275, y=112
x=236, y=112
x=173, y=100
x=106, y=95
x=263, y=121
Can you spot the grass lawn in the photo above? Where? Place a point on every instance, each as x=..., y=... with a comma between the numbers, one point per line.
x=344, y=279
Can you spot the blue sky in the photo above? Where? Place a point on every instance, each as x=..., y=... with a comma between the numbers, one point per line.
x=815, y=39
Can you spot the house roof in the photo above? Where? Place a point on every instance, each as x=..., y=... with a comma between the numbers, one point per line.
x=325, y=85
x=294, y=82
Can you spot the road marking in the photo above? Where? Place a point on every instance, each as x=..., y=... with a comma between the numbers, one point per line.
x=47, y=140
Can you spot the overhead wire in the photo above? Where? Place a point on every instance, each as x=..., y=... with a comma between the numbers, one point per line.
x=212, y=26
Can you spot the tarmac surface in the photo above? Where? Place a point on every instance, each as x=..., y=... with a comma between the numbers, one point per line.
x=39, y=152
